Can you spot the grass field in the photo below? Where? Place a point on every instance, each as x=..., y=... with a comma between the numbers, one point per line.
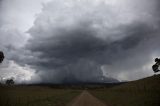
x=144, y=92
x=35, y=96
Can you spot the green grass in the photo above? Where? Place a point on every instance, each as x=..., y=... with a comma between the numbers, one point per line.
x=35, y=96
x=144, y=92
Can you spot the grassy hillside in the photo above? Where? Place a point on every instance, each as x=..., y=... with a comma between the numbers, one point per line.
x=35, y=96
x=143, y=92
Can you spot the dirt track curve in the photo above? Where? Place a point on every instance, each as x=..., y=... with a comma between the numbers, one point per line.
x=86, y=99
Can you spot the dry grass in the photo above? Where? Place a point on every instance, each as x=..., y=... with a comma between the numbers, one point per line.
x=145, y=92
x=35, y=96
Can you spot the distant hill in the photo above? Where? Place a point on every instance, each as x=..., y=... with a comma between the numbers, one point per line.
x=149, y=83
x=143, y=92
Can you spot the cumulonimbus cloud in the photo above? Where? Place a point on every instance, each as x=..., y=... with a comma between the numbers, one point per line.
x=75, y=39
x=92, y=41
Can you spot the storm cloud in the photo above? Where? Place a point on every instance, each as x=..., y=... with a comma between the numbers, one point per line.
x=91, y=41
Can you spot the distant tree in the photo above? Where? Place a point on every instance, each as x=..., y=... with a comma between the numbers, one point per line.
x=1, y=56
x=155, y=67
x=1, y=59
x=10, y=82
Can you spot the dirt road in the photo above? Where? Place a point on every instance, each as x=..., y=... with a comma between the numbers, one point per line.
x=86, y=99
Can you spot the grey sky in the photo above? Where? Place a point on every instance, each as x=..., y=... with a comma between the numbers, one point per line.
x=79, y=41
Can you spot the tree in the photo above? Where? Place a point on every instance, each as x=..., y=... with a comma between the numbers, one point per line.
x=1, y=56
x=1, y=59
x=155, y=67
x=10, y=82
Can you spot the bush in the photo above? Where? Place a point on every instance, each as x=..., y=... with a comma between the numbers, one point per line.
x=10, y=82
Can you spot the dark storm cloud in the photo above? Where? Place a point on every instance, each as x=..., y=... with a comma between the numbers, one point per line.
x=82, y=41
x=69, y=56
x=78, y=54
x=69, y=46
